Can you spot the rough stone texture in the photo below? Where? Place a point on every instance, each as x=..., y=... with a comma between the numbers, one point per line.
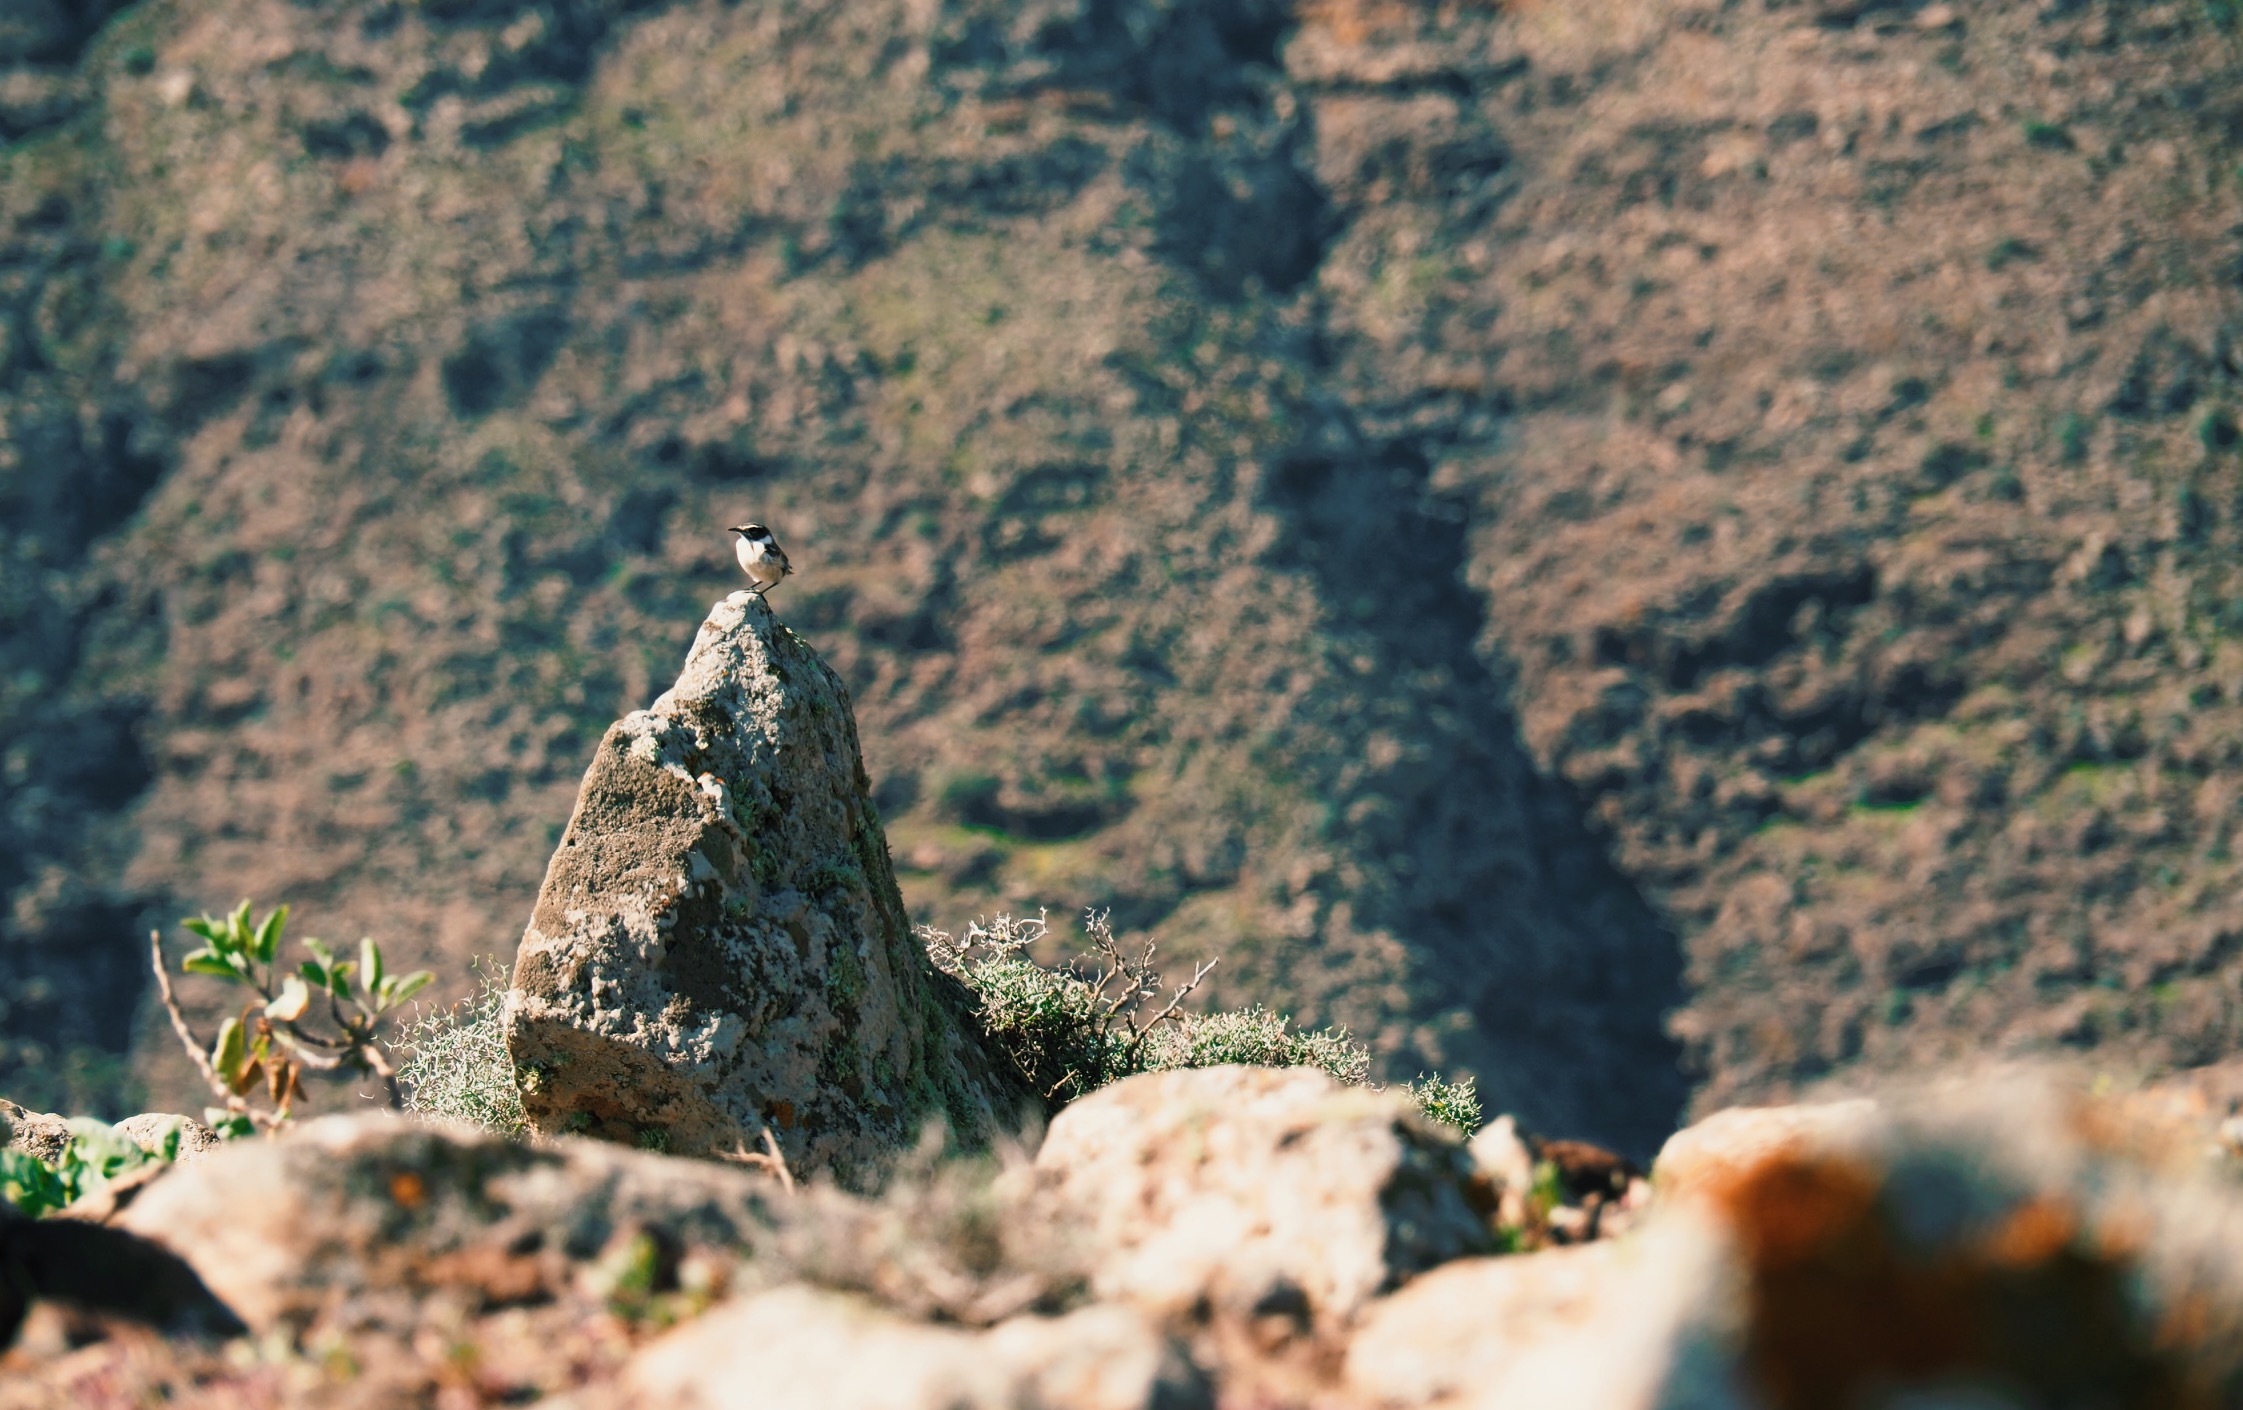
x=148, y=1130
x=1244, y=1184
x=373, y=1209
x=38, y=1133
x=800, y=1349
x=719, y=943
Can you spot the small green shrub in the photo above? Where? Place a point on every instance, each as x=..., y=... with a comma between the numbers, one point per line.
x=1454, y=1104
x=1068, y=1031
x=1074, y=1029
x=1257, y=1037
x=2071, y=438
x=455, y=1065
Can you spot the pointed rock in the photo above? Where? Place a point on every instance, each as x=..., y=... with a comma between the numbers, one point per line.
x=719, y=943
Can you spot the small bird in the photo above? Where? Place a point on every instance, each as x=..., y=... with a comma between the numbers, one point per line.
x=760, y=557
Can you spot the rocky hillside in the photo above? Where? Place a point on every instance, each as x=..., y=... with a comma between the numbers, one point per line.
x=1505, y=521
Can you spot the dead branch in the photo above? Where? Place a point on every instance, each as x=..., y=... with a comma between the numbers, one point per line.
x=772, y=1160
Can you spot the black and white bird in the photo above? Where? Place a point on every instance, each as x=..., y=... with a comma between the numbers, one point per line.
x=760, y=556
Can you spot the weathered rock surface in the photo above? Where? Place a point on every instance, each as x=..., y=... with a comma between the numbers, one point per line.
x=377, y=1208
x=39, y=1133
x=1243, y=1185
x=1252, y=1237
x=719, y=943
x=800, y=1349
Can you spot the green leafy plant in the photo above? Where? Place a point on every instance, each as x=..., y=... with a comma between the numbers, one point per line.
x=324, y=1017
x=97, y=1153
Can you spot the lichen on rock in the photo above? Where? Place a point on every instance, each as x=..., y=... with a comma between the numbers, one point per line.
x=719, y=944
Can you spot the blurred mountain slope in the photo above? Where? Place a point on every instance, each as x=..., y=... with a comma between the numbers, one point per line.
x=1463, y=510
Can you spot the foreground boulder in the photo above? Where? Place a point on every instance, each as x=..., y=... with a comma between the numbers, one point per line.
x=368, y=1216
x=1247, y=1188
x=2011, y=1243
x=1230, y=1236
x=719, y=945
x=799, y=1349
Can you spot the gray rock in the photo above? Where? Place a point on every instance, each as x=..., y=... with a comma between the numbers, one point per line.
x=720, y=944
x=36, y=1133
x=149, y=1129
x=798, y=1348
x=367, y=1206
x=1241, y=1187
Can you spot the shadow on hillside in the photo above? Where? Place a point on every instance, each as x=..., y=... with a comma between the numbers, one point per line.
x=1495, y=877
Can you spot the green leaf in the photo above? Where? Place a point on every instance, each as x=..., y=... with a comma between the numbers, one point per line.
x=229, y=1125
x=400, y=987
x=230, y=1052
x=204, y=926
x=30, y=1184
x=338, y=978
x=294, y=998
x=237, y=926
x=370, y=962
x=207, y=962
x=266, y=944
x=315, y=973
x=319, y=950
x=101, y=1151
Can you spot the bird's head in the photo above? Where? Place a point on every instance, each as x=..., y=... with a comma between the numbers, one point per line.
x=753, y=531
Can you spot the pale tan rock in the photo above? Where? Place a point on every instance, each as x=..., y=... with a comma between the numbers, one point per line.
x=719, y=943
x=1714, y=1150
x=798, y=1348
x=1237, y=1183
x=352, y=1205
x=1500, y=1155
x=1457, y=1327
x=1648, y=1323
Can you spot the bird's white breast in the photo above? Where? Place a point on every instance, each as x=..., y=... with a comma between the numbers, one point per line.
x=753, y=561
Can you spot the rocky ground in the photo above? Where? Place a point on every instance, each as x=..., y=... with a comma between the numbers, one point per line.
x=1305, y=1245
x=1504, y=521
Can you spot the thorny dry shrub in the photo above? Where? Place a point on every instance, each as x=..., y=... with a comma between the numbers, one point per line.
x=1069, y=1030
x=456, y=1066
x=1073, y=1029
